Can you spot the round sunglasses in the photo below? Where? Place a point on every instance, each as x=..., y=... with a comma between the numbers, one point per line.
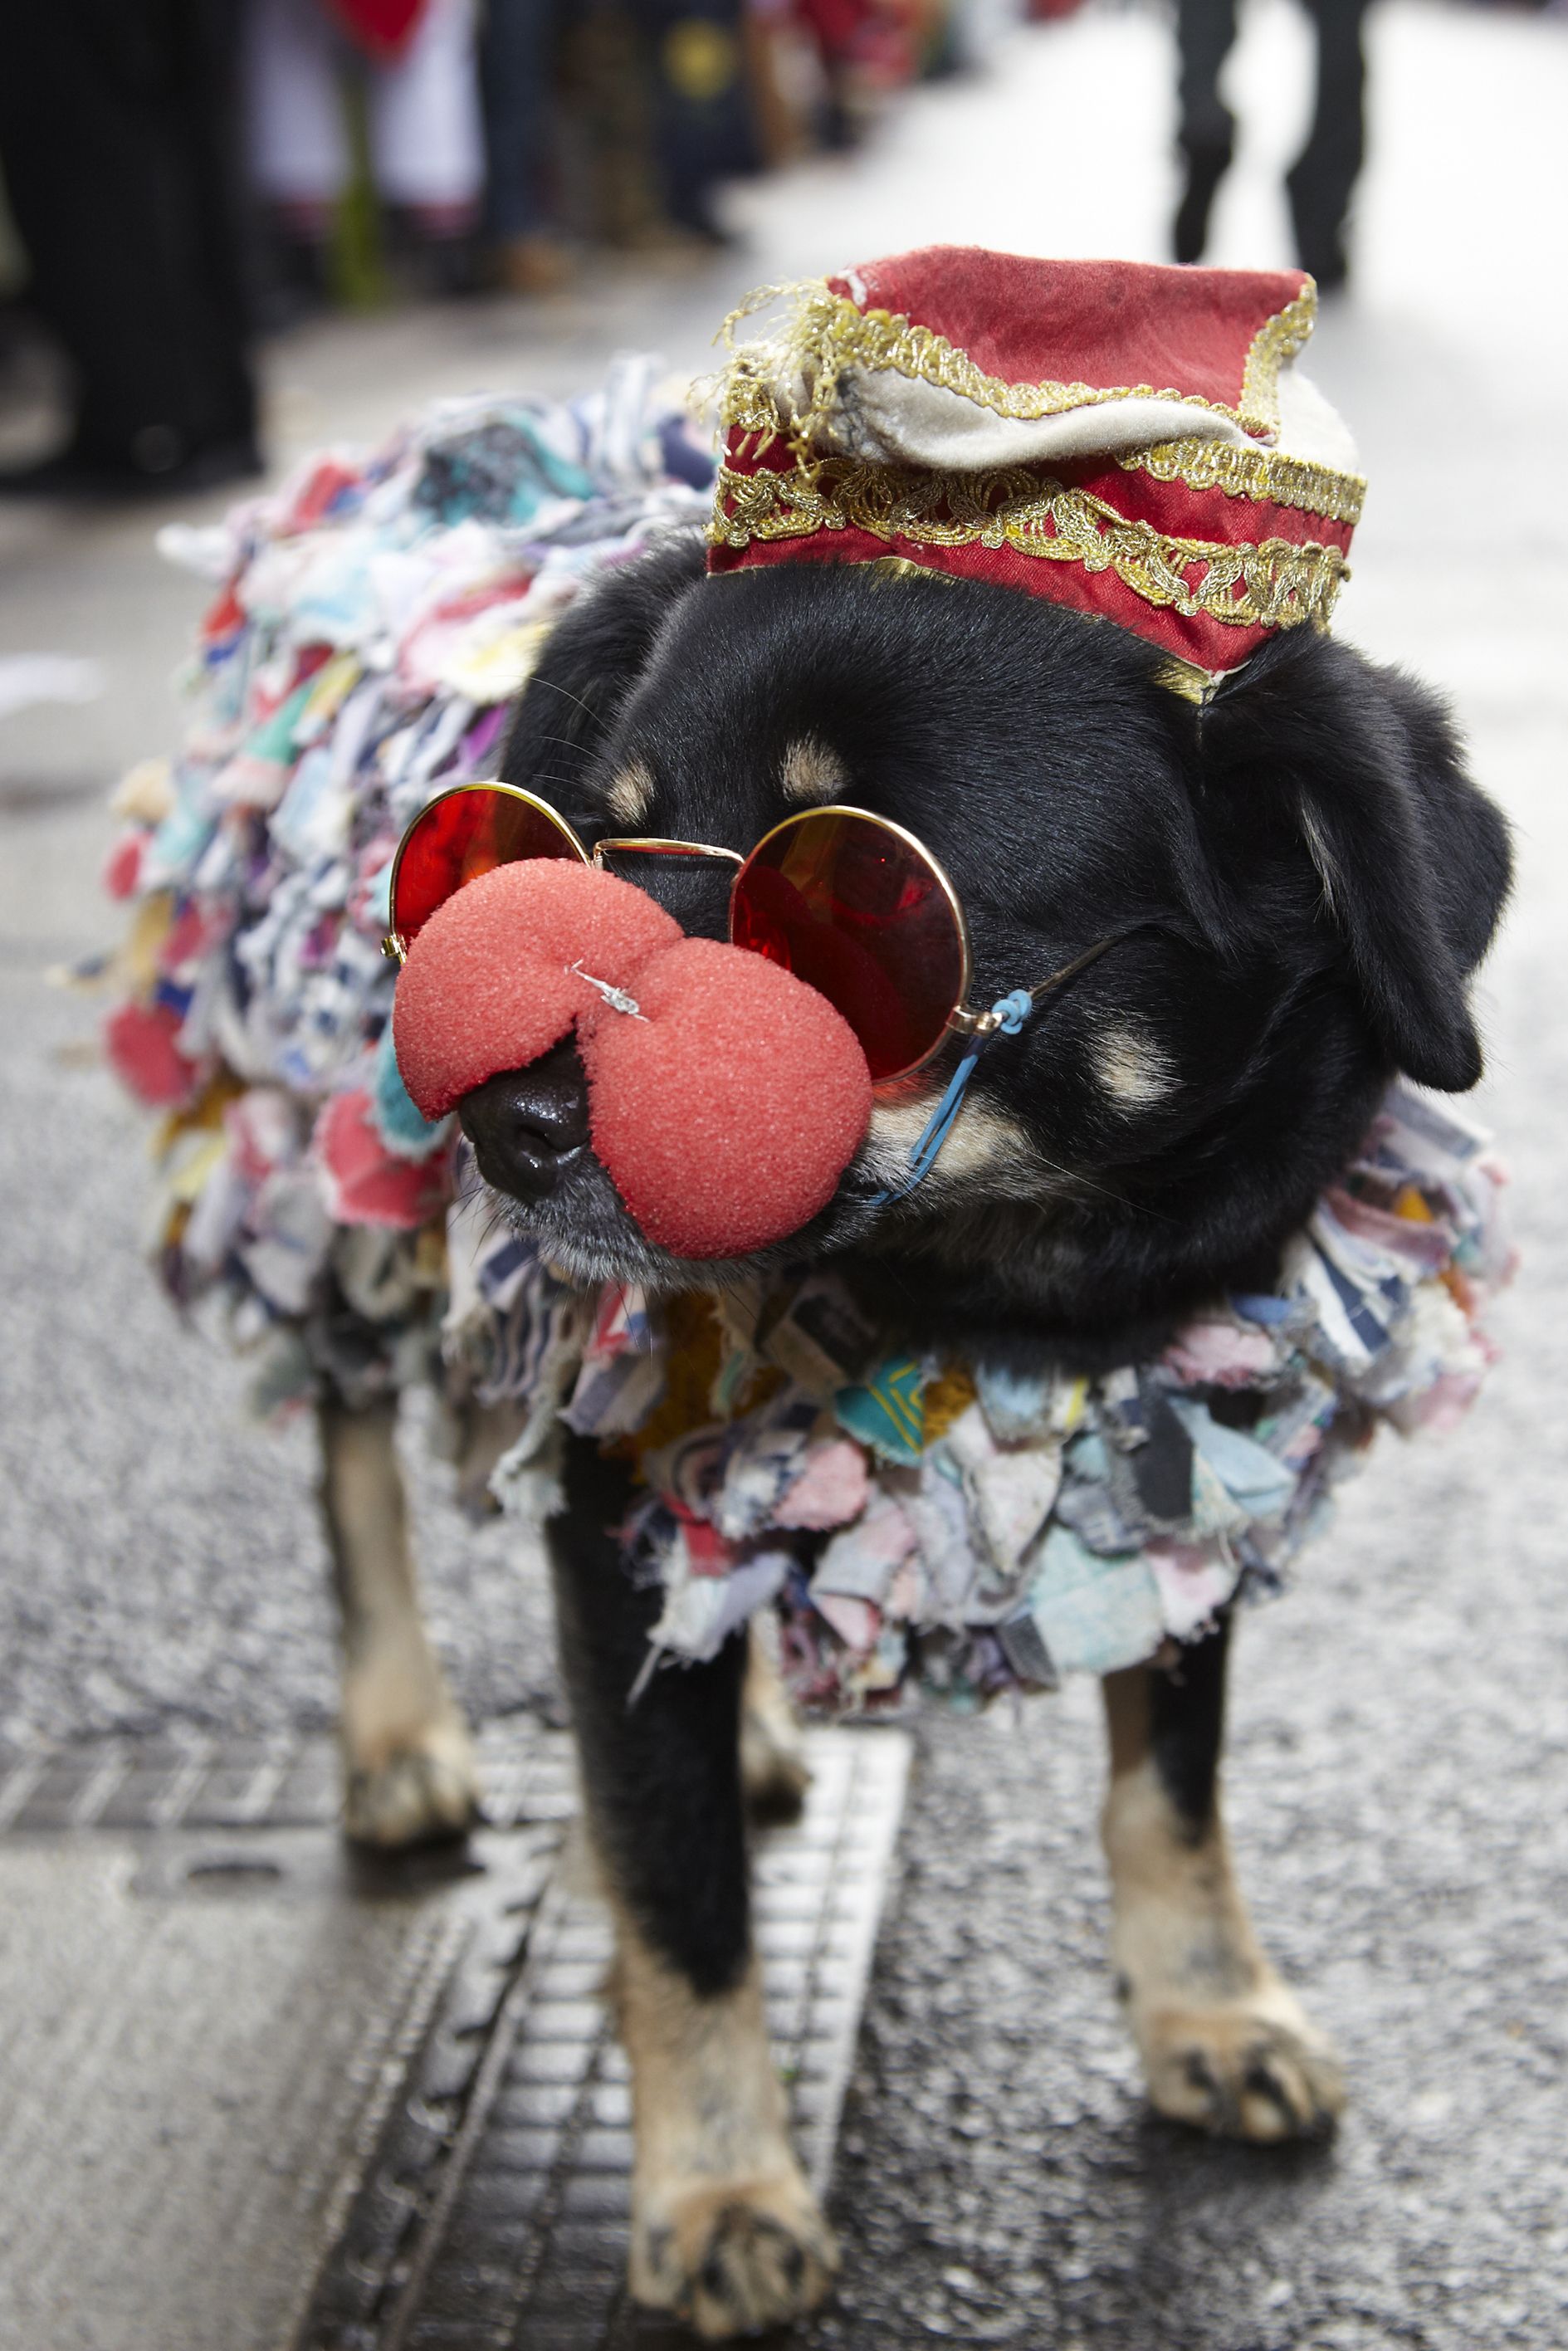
x=849, y=902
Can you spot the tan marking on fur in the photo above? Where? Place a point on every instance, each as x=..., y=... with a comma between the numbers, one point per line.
x=630, y=793
x=1225, y=2043
x=409, y=1764
x=724, y=2230
x=773, y=1766
x=813, y=772
x=1133, y=1070
x=984, y=1145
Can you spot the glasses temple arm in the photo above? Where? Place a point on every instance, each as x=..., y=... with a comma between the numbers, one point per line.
x=1025, y=999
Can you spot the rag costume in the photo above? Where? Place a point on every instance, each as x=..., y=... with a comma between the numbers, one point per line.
x=1135, y=442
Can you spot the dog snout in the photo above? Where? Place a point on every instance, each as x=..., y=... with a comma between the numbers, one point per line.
x=527, y=1126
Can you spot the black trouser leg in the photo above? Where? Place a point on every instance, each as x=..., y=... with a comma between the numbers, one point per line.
x=1322, y=181
x=119, y=142
x=1206, y=32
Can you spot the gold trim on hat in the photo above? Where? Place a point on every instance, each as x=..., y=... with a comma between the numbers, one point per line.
x=1278, y=338
x=1261, y=475
x=825, y=332
x=1275, y=583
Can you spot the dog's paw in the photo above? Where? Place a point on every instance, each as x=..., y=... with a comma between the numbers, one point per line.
x=1255, y=2067
x=733, y=2256
x=420, y=1790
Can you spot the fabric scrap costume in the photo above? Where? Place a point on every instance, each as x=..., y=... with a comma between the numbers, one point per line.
x=909, y=1520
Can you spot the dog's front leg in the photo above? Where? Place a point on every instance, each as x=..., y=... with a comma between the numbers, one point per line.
x=1225, y=2043
x=408, y=1764
x=725, y=2231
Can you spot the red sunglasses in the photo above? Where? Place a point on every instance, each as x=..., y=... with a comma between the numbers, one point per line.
x=849, y=902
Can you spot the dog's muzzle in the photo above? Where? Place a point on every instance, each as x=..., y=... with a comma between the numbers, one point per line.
x=723, y=1096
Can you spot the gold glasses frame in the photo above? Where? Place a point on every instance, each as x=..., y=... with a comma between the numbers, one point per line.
x=960, y=1021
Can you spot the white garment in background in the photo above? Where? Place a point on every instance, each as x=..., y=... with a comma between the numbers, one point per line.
x=426, y=134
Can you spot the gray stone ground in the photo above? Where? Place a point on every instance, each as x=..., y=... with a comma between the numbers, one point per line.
x=1400, y=1757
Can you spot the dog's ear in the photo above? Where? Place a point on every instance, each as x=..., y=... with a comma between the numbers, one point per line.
x=1413, y=860
x=594, y=656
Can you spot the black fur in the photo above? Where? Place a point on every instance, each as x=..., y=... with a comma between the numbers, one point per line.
x=663, y=1775
x=1187, y=1728
x=1300, y=876
x=1305, y=873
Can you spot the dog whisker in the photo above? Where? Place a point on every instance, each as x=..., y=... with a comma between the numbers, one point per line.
x=556, y=687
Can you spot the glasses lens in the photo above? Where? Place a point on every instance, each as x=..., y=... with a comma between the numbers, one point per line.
x=461, y=836
x=862, y=915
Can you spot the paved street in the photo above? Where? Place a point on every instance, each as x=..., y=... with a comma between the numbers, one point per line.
x=1399, y=1773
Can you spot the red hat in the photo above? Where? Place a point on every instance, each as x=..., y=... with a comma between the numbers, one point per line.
x=1130, y=440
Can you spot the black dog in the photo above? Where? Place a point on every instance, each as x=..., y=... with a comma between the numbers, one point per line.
x=1300, y=877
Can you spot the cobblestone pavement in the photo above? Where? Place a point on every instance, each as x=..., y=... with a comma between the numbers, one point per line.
x=1400, y=1758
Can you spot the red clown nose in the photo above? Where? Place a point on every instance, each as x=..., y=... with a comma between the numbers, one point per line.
x=726, y=1097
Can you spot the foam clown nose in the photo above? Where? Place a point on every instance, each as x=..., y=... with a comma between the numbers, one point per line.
x=726, y=1096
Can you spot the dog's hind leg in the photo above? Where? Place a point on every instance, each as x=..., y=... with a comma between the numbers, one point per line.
x=408, y=1764
x=724, y=2230
x=1225, y=2043
x=773, y=1767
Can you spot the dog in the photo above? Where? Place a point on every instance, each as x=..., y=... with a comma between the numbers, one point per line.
x=1223, y=900
x=1303, y=878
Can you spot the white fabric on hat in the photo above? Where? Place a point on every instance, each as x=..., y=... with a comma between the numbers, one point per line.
x=1310, y=428
x=890, y=419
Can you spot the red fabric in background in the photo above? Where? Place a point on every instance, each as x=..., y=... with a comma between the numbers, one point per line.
x=384, y=27
x=1113, y=325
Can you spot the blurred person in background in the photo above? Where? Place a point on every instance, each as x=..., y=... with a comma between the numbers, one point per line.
x=660, y=104
x=1320, y=183
x=416, y=64
x=866, y=49
x=702, y=122
x=519, y=86
x=117, y=139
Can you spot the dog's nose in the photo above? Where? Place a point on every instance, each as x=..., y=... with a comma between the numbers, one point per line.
x=528, y=1125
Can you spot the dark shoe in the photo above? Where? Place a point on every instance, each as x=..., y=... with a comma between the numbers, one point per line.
x=81, y=478
x=1205, y=167
x=1320, y=237
x=533, y=262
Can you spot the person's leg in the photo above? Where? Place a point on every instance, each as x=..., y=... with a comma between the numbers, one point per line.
x=1206, y=32
x=116, y=135
x=426, y=137
x=223, y=225
x=1323, y=178
x=294, y=103
x=296, y=135
x=702, y=129
x=427, y=146
x=724, y=2230
x=516, y=65
x=1225, y=2043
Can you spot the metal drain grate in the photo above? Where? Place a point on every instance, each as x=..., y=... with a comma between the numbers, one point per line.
x=496, y=2211
x=199, y=1783
x=484, y=2198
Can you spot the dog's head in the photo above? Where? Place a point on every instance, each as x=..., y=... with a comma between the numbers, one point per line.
x=1298, y=874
